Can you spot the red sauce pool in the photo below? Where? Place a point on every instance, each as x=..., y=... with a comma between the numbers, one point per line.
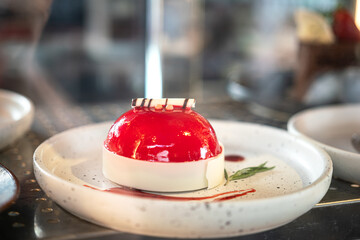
x=234, y=158
x=138, y=193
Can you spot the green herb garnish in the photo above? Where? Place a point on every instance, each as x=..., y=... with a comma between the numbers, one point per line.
x=226, y=176
x=247, y=172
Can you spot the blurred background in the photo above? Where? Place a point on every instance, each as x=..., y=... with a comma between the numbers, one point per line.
x=115, y=50
x=82, y=61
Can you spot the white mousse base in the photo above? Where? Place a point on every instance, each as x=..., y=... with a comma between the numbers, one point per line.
x=163, y=176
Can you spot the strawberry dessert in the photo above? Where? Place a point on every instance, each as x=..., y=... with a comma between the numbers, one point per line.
x=163, y=145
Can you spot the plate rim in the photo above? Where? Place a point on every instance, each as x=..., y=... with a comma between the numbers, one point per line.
x=15, y=196
x=292, y=129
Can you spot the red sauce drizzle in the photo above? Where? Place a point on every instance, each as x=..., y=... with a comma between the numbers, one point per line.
x=139, y=193
x=234, y=158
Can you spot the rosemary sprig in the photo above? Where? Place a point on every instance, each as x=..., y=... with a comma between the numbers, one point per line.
x=247, y=172
x=226, y=177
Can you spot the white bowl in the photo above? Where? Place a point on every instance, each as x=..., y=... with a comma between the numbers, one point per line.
x=68, y=168
x=331, y=128
x=16, y=116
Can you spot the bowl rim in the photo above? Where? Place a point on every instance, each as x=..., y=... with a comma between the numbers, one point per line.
x=291, y=126
x=28, y=109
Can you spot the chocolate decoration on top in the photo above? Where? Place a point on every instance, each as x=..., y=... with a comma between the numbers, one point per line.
x=143, y=102
x=149, y=104
x=184, y=103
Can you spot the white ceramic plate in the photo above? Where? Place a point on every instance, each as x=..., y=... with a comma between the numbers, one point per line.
x=66, y=162
x=331, y=128
x=16, y=116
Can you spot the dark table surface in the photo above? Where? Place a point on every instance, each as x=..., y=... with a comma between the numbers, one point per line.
x=35, y=216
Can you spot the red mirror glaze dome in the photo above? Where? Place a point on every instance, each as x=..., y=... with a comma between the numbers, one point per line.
x=148, y=134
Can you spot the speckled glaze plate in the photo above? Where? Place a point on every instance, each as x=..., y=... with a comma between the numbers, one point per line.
x=68, y=168
x=16, y=116
x=9, y=188
x=331, y=127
